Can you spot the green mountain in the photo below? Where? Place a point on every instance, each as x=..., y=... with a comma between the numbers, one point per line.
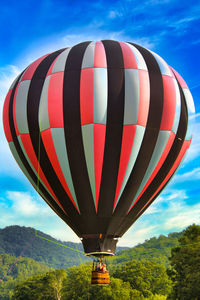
x=16, y=239
x=14, y=270
x=154, y=249
x=34, y=254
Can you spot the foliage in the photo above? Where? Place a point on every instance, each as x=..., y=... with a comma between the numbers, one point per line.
x=140, y=278
x=185, y=262
x=19, y=272
x=75, y=285
x=15, y=238
x=48, y=286
x=154, y=249
x=78, y=287
x=147, y=277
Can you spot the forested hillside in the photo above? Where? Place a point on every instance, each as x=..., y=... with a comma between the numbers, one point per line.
x=15, y=270
x=13, y=239
x=134, y=272
x=154, y=249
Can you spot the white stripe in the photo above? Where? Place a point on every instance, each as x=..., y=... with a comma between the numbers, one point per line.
x=88, y=143
x=191, y=111
x=43, y=108
x=100, y=95
x=88, y=58
x=21, y=106
x=131, y=96
x=178, y=108
x=59, y=65
x=189, y=101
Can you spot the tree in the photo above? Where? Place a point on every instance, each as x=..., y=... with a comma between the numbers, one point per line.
x=116, y=290
x=48, y=286
x=185, y=265
x=77, y=284
x=147, y=277
x=78, y=287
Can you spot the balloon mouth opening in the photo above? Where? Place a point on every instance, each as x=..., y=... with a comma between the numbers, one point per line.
x=100, y=254
x=99, y=246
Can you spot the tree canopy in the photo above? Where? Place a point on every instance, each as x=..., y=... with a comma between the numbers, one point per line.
x=185, y=262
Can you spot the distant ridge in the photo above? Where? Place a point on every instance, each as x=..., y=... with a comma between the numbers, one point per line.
x=13, y=239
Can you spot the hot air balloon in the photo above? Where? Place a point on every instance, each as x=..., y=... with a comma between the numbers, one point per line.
x=99, y=129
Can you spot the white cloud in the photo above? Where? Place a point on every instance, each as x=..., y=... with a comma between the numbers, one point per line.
x=169, y=213
x=25, y=209
x=182, y=215
x=23, y=203
x=176, y=211
x=62, y=232
x=189, y=176
x=136, y=235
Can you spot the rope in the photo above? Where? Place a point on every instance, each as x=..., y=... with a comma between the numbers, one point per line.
x=41, y=237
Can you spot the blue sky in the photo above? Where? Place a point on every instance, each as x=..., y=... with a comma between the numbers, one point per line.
x=170, y=28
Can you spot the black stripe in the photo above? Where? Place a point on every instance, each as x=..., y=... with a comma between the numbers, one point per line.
x=51, y=201
x=114, y=127
x=164, y=170
x=73, y=134
x=33, y=102
x=150, y=136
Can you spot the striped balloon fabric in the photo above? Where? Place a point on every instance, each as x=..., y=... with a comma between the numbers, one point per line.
x=99, y=129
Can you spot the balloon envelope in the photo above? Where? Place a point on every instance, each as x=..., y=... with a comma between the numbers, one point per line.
x=99, y=129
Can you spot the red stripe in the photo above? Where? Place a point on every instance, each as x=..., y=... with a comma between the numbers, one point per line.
x=128, y=56
x=169, y=104
x=28, y=74
x=99, y=56
x=180, y=79
x=55, y=100
x=144, y=97
x=99, y=144
x=14, y=110
x=26, y=141
x=158, y=166
x=6, y=117
x=86, y=96
x=184, y=148
x=127, y=144
x=50, y=149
